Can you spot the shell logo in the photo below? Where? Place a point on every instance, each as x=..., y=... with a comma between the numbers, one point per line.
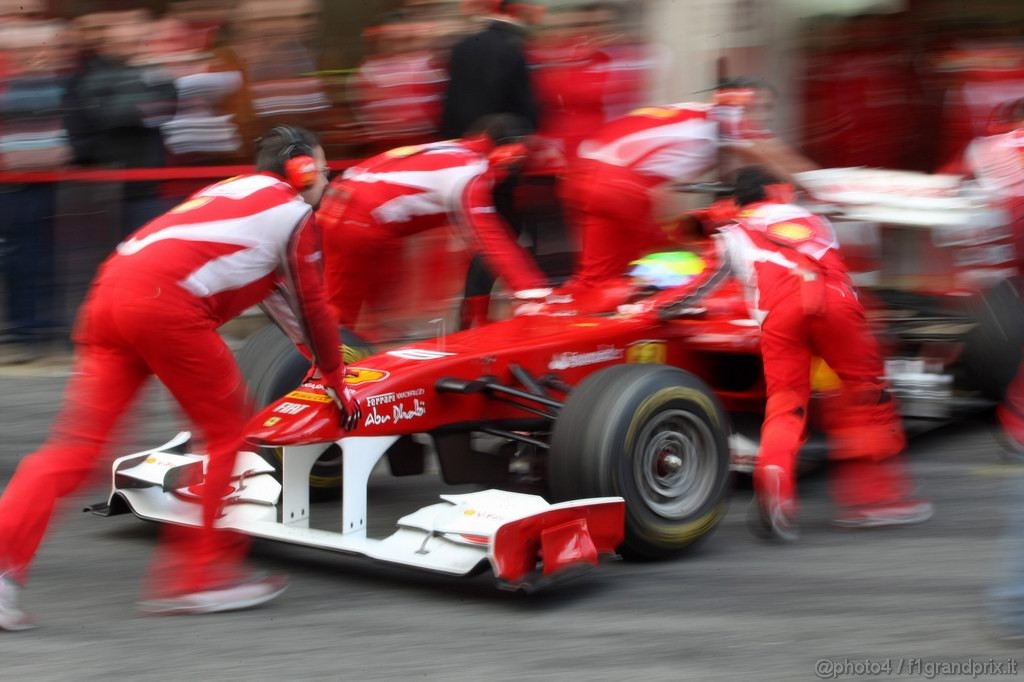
x=469, y=512
x=191, y=205
x=402, y=152
x=358, y=375
x=654, y=112
x=794, y=232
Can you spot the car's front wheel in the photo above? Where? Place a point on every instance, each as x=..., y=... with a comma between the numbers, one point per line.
x=654, y=435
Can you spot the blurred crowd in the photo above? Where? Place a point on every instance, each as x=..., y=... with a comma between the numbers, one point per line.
x=199, y=81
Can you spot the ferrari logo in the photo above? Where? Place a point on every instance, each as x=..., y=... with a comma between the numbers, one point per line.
x=647, y=353
x=793, y=232
x=271, y=421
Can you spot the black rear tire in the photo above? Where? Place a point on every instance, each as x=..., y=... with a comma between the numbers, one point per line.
x=993, y=349
x=656, y=436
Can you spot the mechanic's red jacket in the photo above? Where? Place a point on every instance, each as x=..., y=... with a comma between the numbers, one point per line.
x=245, y=241
x=780, y=251
x=413, y=189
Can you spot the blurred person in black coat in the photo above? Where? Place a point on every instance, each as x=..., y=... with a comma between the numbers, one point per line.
x=114, y=108
x=488, y=72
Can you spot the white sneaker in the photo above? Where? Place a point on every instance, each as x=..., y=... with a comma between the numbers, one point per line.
x=250, y=592
x=11, y=617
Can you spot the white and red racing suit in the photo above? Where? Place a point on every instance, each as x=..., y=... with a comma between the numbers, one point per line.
x=800, y=292
x=609, y=190
x=367, y=212
x=154, y=309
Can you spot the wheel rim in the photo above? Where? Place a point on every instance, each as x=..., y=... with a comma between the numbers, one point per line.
x=675, y=466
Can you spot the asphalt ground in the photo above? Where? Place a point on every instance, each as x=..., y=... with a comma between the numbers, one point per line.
x=733, y=609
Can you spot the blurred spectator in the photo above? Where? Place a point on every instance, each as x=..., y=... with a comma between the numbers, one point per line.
x=588, y=70
x=396, y=92
x=269, y=46
x=197, y=129
x=488, y=71
x=31, y=138
x=115, y=104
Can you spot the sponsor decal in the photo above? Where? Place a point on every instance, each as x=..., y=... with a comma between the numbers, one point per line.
x=647, y=352
x=191, y=205
x=487, y=516
x=655, y=112
x=170, y=464
x=389, y=398
x=359, y=375
x=418, y=354
x=793, y=232
x=290, y=408
x=393, y=414
x=272, y=421
x=402, y=152
x=572, y=359
x=310, y=397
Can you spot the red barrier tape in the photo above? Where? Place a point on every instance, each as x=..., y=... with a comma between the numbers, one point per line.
x=139, y=174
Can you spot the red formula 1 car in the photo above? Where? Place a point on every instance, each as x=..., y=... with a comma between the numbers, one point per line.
x=648, y=405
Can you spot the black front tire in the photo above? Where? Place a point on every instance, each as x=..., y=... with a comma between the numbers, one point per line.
x=656, y=436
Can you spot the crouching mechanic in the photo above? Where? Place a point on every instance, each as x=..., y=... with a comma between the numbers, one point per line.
x=154, y=308
x=614, y=190
x=369, y=210
x=800, y=292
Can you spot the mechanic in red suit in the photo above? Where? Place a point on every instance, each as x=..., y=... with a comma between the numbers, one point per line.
x=154, y=309
x=369, y=210
x=800, y=292
x=611, y=191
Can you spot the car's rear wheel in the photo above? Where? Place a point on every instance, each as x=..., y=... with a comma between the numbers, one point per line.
x=272, y=367
x=654, y=435
x=993, y=349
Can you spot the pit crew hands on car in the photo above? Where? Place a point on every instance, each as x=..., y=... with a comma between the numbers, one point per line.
x=800, y=292
x=369, y=210
x=154, y=309
x=613, y=189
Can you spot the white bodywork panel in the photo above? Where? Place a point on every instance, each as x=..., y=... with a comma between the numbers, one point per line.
x=453, y=537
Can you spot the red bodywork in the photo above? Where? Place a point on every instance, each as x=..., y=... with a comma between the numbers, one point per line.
x=397, y=388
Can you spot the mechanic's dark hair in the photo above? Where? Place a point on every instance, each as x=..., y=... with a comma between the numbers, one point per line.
x=501, y=128
x=750, y=184
x=270, y=148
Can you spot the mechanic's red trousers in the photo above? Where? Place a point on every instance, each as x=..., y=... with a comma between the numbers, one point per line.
x=1011, y=412
x=864, y=429
x=611, y=210
x=124, y=334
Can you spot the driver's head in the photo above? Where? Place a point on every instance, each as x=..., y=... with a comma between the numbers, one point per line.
x=295, y=155
x=755, y=184
x=506, y=138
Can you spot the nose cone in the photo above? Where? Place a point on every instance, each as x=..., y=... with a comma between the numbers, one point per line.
x=306, y=415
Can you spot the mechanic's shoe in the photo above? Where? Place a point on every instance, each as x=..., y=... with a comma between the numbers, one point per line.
x=771, y=517
x=246, y=594
x=11, y=617
x=902, y=513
